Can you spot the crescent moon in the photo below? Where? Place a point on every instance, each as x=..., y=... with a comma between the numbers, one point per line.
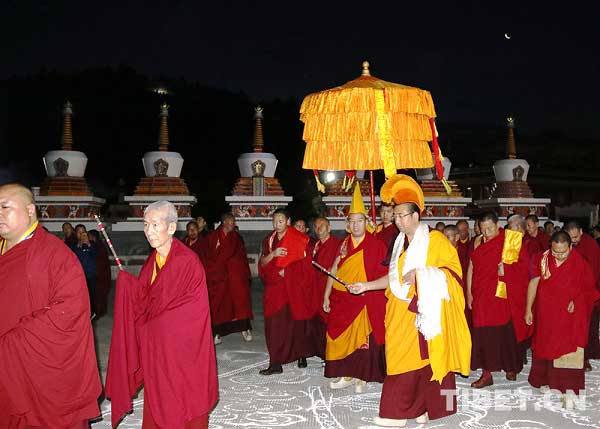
x=507, y=36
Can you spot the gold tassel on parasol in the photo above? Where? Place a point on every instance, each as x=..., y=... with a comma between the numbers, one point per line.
x=370, y=124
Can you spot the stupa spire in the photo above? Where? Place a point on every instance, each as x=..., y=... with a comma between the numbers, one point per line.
x=163, y=133
x=258, y=133
x=66, y=139
x=511, y=145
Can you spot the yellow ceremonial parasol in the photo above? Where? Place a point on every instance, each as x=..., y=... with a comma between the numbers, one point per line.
x=369, y=124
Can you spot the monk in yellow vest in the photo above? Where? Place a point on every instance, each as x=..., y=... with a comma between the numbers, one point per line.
x=427, y=337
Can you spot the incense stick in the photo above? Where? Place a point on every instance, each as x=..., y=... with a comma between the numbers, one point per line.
x=326, y=271
x=110, y=246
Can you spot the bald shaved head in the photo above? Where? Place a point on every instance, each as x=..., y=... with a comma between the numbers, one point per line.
x=322, y=228
x=17, y=212
x=516, y=222
x=19, y=190
x=463, y=229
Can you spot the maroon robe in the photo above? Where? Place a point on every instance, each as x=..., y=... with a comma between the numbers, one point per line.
x=310, y=247
x=531, y=245
x=556, y=331
x=296, y=288
x=589, y=249
x=489, y=310
x=387, y=234
x=472, y=242
x=498, y=323
x=543, y=239
x=462, y=248
x=227, y=276
x=196, y=246
x=48, y=371
x=324, y=254
x=162, y=338
x=290, y=302
x=538, y=244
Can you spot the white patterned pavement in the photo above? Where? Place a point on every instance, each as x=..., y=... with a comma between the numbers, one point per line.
x=301, y=398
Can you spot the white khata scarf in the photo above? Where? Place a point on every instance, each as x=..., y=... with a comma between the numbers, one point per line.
x=433, y=286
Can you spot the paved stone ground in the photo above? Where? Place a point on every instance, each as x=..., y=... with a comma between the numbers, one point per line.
x=301, y=398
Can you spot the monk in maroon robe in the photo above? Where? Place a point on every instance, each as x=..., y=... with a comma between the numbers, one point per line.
x=539, y=240
x=497, y=282
x=228, y=278
x=564, y=293
x=301, y=226
x=193, y=239
x=290, y=296
x=589, y=249
x=161, y=334
x=475, y=240
x=48, y=372
x=324, y=253
x=516, y=222
x=462, y=246
x=386, y=231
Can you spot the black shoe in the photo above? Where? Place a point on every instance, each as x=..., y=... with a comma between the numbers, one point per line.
x=302, y=363
x=272, y=369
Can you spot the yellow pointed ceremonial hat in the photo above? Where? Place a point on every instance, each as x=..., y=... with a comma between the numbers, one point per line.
x=401, y=189
x=357, y=205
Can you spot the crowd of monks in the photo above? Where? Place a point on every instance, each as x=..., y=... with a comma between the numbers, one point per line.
x=397, y=303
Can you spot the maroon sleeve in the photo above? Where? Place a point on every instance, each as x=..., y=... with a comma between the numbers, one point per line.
x=123, y=374
x=536, y=267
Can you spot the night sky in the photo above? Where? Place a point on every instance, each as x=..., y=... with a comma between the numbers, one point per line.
x=545, y=75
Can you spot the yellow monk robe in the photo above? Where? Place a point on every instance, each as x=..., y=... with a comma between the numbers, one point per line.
x=449, y=351
x=357, y=334
x=355, y=326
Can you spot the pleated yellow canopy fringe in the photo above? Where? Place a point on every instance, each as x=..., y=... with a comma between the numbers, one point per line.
x=367, y=124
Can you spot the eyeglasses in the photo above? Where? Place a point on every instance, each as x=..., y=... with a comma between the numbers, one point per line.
x=400, y=216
